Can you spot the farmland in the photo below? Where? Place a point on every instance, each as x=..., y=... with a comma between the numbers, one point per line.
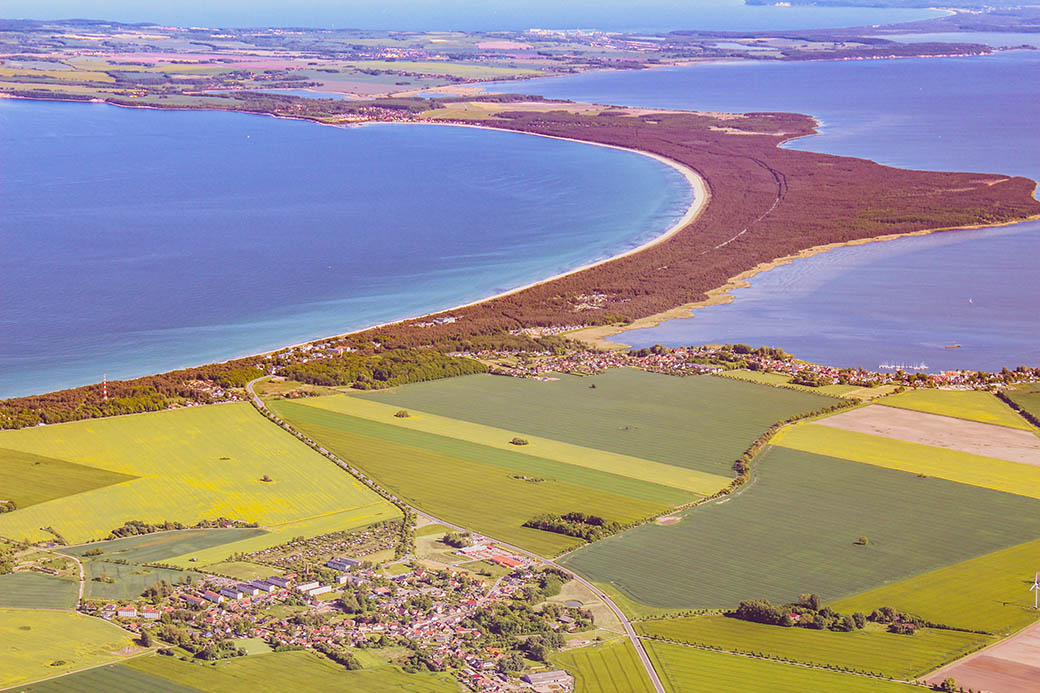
x=193, y=464
x=28, y=479
x=35, y=640
x=1027, y=397
x=127, y=581
x=698, y=422
x=546, y=449
x=289, y=671
x=794, y=528
x=987, y=593
x=157, y=547
x=888, y=654
x=915, y=458
x=36, y=591
x=115, y=678
x=765, y=378
x=613, y=666
x=495, y=496
x=972, y=405
x=688, y=669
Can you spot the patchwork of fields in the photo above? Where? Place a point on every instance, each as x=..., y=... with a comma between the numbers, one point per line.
x=794, y=529
x=697, y=422
x=971, y=405
x=191, y=464
x=887, y=654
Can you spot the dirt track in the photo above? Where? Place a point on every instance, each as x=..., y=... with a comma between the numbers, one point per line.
x=1012, y=666
x=941, y=431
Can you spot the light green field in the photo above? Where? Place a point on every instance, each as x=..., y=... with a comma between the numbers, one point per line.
x=499, y=438
x=887, y=654
x=462, y=490
x=444, y=68
x=280, y=534
x=289, y=671
x=972, y=405
x=157, y=547
x=28, y=479
x=195, y=463
x=688, y=670
x=114, y=678
x=794, y=528
x=1027, y=396
x=240, y=570
x=916, y=458
x=31, y=641
x=37, y=591
x=764, y=378
x=697, y=422
x=612, y=666
x=130, y=580
x=988, y=593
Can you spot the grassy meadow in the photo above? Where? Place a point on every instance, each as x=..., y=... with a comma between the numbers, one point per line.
x=612, y=666
x=444, y=477
x=688, y=669
x=972, y=405
x=34, y=641
x=37, y=591
x=988, y=593
x=697, y=422
x=194, y=464
x=289, y=671
x=915, y=458
x=873, y=651
x=793, y=529
x=541, y=448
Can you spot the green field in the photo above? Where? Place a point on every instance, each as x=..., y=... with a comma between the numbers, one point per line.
x=687, y=669
x=453, y=69
x=793, y=530
x=28, y=479
x=37, y=591
x=764, y=378
x=33, y=641
x=195, y=463
x=916, y=458
x=354, y=518
x=115, y=678
x=470, y=484
x=130, y=580
x=1027, y=396
x=542, y=449
x=289, y=671
x=988, y=593
x=887, y=654
x=961, y=404
x=612, y=666
x=157, y=547
x=697, y=422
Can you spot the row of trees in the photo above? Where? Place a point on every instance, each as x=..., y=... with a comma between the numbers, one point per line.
x=383, y=369
x=575, y=524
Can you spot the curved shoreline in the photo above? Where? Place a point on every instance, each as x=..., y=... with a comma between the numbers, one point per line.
x=721, y=295
x=701, y=198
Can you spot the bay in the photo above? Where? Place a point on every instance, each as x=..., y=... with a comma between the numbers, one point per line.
x=136, y=241
x=902, y=301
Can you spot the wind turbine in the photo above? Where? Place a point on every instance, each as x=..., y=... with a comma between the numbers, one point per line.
x=1035, y=589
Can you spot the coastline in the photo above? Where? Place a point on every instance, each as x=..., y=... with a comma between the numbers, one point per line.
x=599, y=336
x=701, y=198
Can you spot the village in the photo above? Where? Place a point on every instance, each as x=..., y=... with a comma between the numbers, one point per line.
x=489, y=625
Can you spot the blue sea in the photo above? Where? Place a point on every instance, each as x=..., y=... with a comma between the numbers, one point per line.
x=136, y=241
x=903, y=301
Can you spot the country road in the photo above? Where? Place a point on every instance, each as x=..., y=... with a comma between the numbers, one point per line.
x=629, y=630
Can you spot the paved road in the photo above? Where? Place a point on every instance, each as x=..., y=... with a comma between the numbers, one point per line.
x=636, y=642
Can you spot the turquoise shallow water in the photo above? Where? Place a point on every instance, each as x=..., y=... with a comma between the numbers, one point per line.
x=138, y=241
x=897, y=302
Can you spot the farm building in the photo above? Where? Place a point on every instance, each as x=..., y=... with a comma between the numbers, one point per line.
x=507, y=561
x=557, y=677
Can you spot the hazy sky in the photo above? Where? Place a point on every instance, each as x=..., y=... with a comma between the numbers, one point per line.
x=473, y=15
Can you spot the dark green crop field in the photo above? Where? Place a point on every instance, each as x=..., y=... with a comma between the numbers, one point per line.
x=114, y=678
x=698, y=422
x=28, y=479
x=484, y=496
x=155, y=548
x=129, y=581
x=37, y=591
x=794, y=529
